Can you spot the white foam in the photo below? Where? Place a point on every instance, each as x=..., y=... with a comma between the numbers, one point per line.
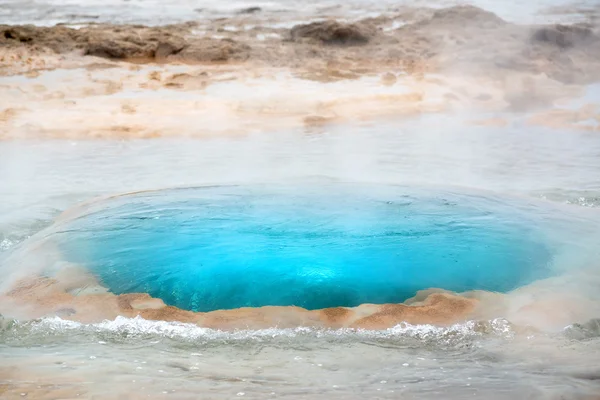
x=138, y=327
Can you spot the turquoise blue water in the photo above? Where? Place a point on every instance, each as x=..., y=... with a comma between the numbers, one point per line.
x=312, y=246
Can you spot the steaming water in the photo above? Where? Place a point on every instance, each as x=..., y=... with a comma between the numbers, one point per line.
x=550, y=179
x=558, y=176
x=313, y=246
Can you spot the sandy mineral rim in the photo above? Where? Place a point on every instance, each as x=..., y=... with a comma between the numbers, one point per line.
x=74, y=294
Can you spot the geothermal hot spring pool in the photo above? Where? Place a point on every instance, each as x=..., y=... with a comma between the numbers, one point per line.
x=306, y=221
x=313, y=246
x=415, y=216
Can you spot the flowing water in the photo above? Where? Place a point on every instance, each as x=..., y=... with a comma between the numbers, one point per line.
x=351, y=213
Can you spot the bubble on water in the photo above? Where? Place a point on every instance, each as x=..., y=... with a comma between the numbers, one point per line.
x=6, y=244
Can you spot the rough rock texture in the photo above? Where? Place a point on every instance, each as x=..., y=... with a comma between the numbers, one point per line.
x=58, y=38
x=474, y=41
x=125, y=42
x=212, y=50
x=463, y=17
x=332, y=33
x=459, y=40
x=250, y=10
x=564, y=36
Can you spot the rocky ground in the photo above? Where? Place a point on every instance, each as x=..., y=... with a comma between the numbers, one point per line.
x=458, y=58
x=465, y=38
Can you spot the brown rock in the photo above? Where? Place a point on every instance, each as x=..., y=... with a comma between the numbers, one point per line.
x=563, y=36
x=249, y=10
x=167, y=48
x=18, y=33
x=212, y=50
x=118, y=49
x=331, y=33
x=57, y=38
x=107, y=41
x=465, y=15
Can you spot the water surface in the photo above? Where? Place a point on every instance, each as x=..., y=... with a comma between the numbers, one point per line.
x=314, y=246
